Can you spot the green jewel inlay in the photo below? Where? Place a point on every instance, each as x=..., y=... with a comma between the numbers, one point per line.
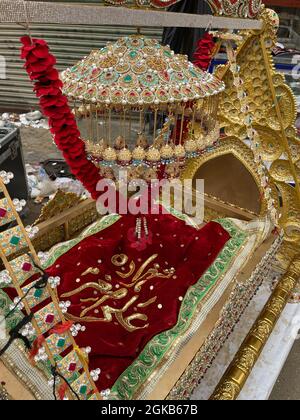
x=133, y=54
x=193, y=73
x=60, y=343
x=127, y=79
x=15, y=240
x=83, y=389
x=38, y=293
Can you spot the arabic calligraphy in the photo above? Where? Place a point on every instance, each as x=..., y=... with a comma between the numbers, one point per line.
x=139, y=277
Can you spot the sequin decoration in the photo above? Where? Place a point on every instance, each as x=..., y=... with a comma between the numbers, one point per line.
x=35, y=296
x=47, y=318
x=12, y=241
x=23, y=268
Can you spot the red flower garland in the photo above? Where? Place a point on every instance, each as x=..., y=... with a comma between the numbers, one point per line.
x=48, y=88
x=204, y=52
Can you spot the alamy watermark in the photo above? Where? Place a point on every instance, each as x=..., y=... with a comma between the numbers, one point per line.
x=137, y=197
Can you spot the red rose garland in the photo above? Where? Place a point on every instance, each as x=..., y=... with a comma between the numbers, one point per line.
x=48, y=88
x=204, y=52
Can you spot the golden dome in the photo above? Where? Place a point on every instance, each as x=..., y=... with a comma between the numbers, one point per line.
x=167, y=151
x=109, y=154
x=153, y=155
x=124, y=155
x=138, y=153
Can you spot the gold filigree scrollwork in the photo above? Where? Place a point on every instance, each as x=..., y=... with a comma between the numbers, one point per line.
x=262, y=330
x=227, y=391
x=246, y=359
x=273, y=109
x=276, y=305
x=119, y=260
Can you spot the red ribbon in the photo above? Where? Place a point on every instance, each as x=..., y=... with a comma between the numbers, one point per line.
x=62, y=328
x=36, y=347
x=62, y=390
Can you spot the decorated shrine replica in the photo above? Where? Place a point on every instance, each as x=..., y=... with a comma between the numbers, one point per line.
x=137, y=307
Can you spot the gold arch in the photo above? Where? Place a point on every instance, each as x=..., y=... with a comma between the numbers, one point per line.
x=232, y=145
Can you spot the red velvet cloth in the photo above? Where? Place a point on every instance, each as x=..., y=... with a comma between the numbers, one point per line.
x=189, y=251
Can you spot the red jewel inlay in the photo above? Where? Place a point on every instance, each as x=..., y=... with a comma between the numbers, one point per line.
x=3, y=212
x=72, y=367
x=26, y=267
x=49, y=318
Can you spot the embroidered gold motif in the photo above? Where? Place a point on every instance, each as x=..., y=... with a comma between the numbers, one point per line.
x=131, y=271
x=142, y=275
x=102, y=286
x=91, y=270
x=148, y=303
x=119, y=260
x=119, y=294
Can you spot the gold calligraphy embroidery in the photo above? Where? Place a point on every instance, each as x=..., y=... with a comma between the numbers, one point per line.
x=119, y=260
x=130, y=272
x=148, y=303
x=142, y=275
x=91, y=270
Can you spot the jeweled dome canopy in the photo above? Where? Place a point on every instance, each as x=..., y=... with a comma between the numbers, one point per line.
x=136, y=71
